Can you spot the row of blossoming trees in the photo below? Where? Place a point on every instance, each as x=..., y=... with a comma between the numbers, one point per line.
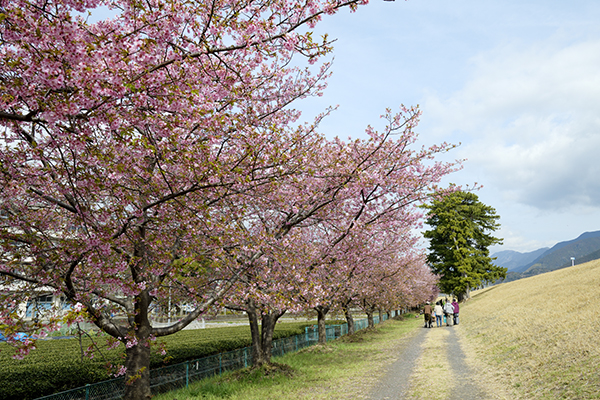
x=154, y=155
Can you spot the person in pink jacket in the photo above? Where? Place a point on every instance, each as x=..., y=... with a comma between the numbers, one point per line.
x=455, y=305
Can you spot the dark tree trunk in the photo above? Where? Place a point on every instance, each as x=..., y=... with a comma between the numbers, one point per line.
x=370, y=321
x=137, y=376
x=321, y=314
x=380, y=315
x=257, y=353
x=262, y=337
x=349, y=319
x=137, y=356
x=369, y=309
x=268, y=327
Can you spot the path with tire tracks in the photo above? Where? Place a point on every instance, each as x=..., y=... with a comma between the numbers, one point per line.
x=430, y=365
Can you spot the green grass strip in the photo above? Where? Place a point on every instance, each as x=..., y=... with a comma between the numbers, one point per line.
x=345, y=368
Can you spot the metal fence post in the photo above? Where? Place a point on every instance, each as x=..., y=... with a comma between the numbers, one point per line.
x=87, y=392
x=306, y=333
x=187, y=374
x=220, y=363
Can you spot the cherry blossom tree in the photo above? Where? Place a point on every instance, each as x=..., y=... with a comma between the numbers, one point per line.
x=126, y=141
x=359, y=202
x=378, y=219
x=404, y=283
x=387, y=260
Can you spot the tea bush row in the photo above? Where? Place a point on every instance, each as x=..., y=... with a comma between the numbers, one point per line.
x=58, y=365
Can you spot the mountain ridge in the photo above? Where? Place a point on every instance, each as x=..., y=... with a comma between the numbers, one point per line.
x=585, y=247
x=511, y=259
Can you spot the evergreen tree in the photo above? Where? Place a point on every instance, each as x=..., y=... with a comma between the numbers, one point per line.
x=459, y=242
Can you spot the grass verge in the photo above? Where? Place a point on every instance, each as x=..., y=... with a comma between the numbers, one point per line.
x=345, y=368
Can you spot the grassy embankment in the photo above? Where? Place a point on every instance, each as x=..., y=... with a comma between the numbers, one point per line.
x=539, y=336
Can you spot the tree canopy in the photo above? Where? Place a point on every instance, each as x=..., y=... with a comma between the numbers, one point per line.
x=461, y=234
x=153, y=156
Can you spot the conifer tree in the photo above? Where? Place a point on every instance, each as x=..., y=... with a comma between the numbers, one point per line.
x=461, y=234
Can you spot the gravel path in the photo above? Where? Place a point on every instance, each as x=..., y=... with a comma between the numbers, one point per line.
x=395, y=384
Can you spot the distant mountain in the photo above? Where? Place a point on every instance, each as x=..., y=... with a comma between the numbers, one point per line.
x=585, y=248
x=513, y=259
x=560, y=254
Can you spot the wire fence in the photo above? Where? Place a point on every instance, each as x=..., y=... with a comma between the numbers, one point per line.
x=180, y=375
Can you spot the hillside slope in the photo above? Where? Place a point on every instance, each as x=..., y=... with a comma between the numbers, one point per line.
x=540, y=334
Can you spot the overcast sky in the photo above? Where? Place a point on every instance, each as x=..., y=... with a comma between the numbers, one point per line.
x=517, y=82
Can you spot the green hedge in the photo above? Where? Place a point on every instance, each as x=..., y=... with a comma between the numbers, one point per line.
x=56, y=365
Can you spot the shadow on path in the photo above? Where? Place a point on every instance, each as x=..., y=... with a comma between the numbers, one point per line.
x=465, y=387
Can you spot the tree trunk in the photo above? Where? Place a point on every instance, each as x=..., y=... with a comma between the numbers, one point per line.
x=137, y=376
x=137, y=353
x=321, y=313
x=258, y=357
x=370, y=321
x=380, y=315
x=369, y=310
x=262, y=337
x=349, y=320
x=269, y=320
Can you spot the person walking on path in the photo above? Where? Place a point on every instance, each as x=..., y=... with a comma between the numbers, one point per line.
x=439, y=313
x=455, y=305
x=449, y=312
x=427, y=310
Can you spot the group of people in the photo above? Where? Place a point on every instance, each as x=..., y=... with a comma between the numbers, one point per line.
x=444, y=312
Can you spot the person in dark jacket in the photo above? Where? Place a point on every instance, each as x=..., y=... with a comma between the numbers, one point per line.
x=427, y=311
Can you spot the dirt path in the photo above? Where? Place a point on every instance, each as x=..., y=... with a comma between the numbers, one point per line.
x=432, y=365
x=395, y=383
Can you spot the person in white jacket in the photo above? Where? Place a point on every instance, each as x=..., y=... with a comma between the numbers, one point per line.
x=449, y=311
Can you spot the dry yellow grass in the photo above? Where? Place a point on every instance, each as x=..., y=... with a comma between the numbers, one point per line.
x=540, y=335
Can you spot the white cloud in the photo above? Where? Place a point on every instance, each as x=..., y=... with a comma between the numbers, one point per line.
x=517, y=82
x=530, y=119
